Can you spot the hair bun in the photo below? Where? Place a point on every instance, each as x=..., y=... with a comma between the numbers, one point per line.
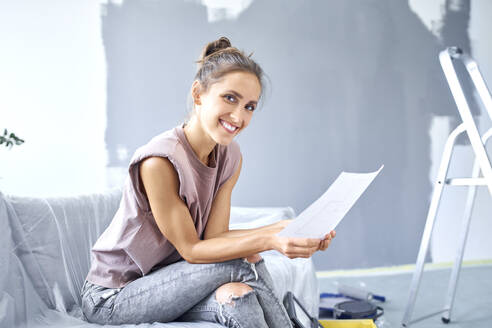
x=214, y=46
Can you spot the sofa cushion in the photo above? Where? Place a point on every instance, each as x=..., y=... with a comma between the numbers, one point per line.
x=45, y=256
x=53, y=237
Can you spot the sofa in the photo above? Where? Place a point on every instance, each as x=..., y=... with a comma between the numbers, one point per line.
x=45, y=255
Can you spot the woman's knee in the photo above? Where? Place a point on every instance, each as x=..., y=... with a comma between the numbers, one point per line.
x=227, y=292
x=239, y=307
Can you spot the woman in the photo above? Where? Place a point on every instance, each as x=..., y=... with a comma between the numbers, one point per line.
x=168, y=253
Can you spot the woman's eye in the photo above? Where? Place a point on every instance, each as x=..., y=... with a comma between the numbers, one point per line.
x=250, y=107
x=230, y=98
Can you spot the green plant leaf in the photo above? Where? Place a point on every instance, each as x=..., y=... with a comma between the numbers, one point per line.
x=10, y=140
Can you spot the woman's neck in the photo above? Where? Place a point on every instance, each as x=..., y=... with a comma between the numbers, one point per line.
x=201, y=143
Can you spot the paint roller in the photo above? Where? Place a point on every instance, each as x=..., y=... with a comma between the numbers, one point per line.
x=359, y=293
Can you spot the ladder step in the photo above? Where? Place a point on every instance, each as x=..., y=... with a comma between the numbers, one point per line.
x=466, y=182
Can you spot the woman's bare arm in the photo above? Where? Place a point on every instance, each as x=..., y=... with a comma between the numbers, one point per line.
x=173, y=218
x=271, y=228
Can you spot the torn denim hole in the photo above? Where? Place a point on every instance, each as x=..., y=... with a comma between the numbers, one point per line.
x=230, y=300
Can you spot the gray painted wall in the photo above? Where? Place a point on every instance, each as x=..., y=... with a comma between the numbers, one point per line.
x=355, y=84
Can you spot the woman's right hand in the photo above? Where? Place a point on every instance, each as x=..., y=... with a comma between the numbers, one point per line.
x=295, y=247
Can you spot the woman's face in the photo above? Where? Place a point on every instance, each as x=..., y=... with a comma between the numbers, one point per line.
x=226, y=108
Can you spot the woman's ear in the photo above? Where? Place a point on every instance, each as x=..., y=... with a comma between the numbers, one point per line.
x=195, y=92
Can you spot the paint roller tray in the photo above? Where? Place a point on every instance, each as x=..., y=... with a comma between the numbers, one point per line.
x=348, y=323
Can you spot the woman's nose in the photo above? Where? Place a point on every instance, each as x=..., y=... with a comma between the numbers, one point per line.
x=236, y=115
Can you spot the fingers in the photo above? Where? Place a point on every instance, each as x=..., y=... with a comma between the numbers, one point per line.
x=303, y=250
x=330, y=235
x=299, y=247
x=305, y=242
x=324, y=244
x=305, y=247
x=254, y=258
x=327, y=240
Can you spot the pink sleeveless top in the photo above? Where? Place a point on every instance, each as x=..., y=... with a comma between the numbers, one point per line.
x=132, y=245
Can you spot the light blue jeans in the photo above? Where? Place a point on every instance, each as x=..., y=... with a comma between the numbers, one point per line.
x=186, y=292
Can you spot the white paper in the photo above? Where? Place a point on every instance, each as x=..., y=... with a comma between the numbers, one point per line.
x=324, y=214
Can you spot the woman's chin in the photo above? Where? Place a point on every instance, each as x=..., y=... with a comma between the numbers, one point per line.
x=224, y=138
x=224, y=141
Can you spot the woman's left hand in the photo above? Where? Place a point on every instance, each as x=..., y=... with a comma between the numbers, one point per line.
x=324, y=243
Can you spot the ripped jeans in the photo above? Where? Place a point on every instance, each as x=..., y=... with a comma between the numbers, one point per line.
x=186, y=292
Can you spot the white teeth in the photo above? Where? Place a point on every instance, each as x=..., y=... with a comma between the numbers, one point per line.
x=228, y=126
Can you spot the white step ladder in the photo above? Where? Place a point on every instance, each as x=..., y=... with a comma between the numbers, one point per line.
x=481, y=164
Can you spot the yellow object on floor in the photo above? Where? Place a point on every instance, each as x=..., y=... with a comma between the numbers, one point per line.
x=346, y=323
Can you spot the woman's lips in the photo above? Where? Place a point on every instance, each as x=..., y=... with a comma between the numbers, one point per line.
x=227, y=126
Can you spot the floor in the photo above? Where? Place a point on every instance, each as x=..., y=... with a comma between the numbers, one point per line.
x=473, y=302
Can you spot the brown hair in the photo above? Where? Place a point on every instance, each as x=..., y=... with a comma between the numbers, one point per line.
x=219, y=58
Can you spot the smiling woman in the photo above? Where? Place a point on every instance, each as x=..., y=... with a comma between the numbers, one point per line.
x=168, y=254
x=226, y=90
x=222, y=111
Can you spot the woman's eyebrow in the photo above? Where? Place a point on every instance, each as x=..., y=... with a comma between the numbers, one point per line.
x=237, y=94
